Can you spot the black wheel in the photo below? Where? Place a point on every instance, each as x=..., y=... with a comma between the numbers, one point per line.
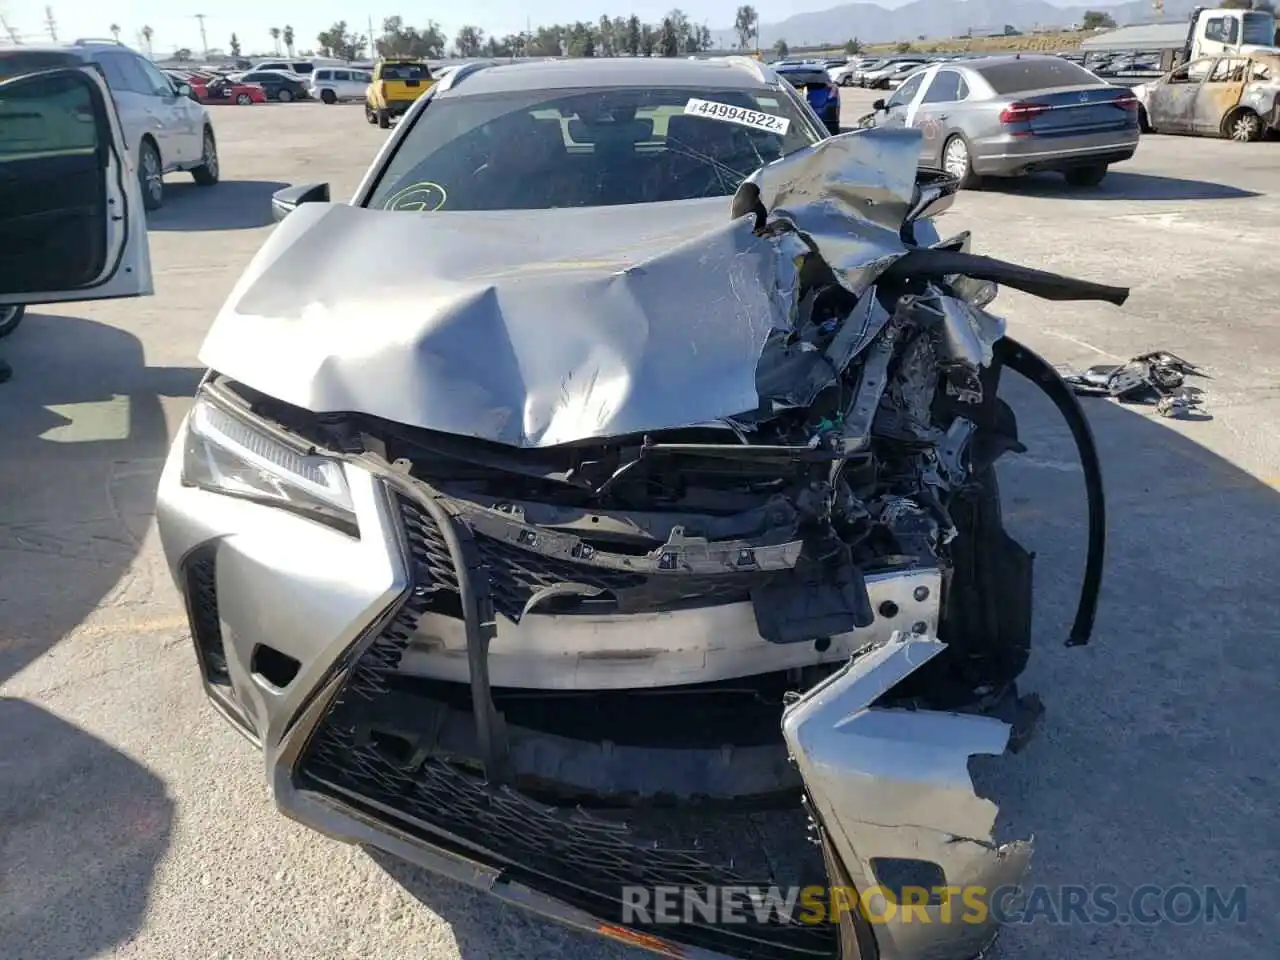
x=1243, y=126
x=957, y=162
x=329, y=97
x=150, y=175
x=1144, y=122
x=244, y=99
x=1089, y=176
x=284, y=96
x=846, y=81
x=369, y=114
x=10, y=317
x=206, y=175
x=384, y=119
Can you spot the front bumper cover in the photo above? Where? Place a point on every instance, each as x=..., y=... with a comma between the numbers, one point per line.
x=362, y=599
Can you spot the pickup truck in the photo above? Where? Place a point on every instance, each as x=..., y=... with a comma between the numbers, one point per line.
x=397, y=83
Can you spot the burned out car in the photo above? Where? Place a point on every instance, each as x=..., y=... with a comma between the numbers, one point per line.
x=1237, y=97
x=652, y=488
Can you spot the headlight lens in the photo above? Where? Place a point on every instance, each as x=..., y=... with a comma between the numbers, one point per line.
x=227, y=454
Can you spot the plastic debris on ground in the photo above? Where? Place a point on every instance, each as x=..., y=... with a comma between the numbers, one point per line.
x=1157, y=378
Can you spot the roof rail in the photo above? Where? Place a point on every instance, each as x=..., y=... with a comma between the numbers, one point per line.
x=750, y=64
x=458, y=74
x=84, y=41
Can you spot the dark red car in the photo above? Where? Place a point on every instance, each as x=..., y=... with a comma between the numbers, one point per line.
x=207, y=88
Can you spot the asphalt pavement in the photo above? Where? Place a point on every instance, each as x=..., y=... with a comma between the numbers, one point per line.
x=135, y=823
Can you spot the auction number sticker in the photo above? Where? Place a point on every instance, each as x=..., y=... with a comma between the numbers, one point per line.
x=739, y=115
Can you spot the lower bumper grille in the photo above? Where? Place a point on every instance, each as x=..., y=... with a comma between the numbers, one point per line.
x=580, y=859
x=200, y=575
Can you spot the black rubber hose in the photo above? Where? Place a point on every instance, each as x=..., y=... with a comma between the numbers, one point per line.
x=1035, y=368
x=935, y=263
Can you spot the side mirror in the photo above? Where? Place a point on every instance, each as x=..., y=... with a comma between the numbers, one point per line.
x=878, y=106
x=283, y=202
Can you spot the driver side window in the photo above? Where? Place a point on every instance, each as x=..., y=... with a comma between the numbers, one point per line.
x=905, y=93
x=1191, y=73
x=159, y=82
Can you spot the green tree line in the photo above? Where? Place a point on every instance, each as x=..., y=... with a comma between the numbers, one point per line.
x=673, y=36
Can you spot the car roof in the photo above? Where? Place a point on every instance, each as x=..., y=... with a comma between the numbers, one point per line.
x=1009, y=58
x=729, y=74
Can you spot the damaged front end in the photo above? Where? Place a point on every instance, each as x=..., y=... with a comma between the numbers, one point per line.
x=627, y=609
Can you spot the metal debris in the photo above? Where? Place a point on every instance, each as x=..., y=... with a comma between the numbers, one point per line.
x=1157, y=378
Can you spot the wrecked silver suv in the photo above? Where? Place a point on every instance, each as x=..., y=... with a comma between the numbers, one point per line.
x=601, y=553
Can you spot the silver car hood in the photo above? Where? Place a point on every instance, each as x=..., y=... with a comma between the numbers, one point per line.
x=535, y=328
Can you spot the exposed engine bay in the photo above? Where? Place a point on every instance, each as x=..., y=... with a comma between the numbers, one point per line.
x=853, y=509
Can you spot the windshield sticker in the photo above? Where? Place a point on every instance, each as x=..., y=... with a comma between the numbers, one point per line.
x=740, y=115
x=424, y=197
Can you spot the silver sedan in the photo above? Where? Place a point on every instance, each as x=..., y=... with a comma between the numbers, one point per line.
x=1013, y=115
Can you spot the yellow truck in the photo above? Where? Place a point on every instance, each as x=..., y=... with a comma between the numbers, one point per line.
x=397, y=83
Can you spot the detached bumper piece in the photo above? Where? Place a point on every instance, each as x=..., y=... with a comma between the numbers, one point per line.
x=457, y=800
x=891, y=791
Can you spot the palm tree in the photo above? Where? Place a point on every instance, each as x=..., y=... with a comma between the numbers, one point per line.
x=288, y=40
x=147, y=34
x=275, y=38
x=115, y=31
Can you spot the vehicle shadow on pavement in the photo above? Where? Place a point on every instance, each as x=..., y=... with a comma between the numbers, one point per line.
x=1150, y=766
x=82, y=830
x=1119, y=186
x=484, y=929
x=229, y=205
x=82, y=826
x=85, y=435
x=1156, y=762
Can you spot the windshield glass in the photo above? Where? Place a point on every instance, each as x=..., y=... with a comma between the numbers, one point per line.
x=15, y=62
x=405, y=71
x=1044, y=73
x=1259, y=29
x=800, y=78
x=587, y=148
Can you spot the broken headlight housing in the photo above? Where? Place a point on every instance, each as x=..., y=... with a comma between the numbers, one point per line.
x=226, y=453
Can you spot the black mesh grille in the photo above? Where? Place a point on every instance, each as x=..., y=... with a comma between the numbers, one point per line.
x=202, y=611
x=516, y=574
x=581, y=859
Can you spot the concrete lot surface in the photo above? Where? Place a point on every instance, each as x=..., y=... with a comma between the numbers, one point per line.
x=134, y=823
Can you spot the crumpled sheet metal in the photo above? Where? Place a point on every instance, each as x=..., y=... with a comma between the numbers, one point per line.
x=536, y=328
x=894, y=784
x=847, y=196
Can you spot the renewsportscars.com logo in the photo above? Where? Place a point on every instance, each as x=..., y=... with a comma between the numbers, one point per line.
x=1100, y=904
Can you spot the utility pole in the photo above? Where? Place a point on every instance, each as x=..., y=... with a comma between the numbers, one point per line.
x=373, y=47
x=50, y=24
x=13, y=34
x=204, y=40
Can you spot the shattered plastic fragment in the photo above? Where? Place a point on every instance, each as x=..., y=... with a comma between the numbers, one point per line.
x=1156, y=378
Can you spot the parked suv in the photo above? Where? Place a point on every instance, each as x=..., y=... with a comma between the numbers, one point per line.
x=331, y=84
x=164, y=128
x=302, y=68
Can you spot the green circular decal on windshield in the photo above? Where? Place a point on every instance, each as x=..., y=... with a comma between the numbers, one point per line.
x=423, y=197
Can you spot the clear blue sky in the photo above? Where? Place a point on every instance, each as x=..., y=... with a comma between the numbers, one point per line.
x=251, y=20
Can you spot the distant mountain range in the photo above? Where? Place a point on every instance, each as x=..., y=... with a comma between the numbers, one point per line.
x=941, y=19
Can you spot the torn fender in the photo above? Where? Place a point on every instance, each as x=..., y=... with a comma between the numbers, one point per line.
x=892, y=789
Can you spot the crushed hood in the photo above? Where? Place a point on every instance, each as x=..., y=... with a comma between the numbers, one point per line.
x=535, y=328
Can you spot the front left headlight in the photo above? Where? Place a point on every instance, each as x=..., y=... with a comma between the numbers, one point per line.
x=225, y=453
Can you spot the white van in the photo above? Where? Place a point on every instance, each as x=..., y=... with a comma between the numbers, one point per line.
x=332, y=84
